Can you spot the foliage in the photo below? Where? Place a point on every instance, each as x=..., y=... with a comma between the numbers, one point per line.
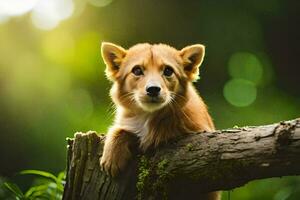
x=47, y=186
x=143, y=176
x=152, y=178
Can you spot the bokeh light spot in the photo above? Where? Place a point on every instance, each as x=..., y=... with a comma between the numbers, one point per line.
x=245, y=66
x=16, y=7
x=87, y=54
x=59, y=47
x=239, y=92
x=47, y=14
x=4, y=19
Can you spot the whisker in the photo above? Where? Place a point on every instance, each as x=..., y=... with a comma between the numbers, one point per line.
x=111, y=109
x=128, y=96
x=174, y=102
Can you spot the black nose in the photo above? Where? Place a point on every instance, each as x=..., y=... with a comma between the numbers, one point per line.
x=153, y=91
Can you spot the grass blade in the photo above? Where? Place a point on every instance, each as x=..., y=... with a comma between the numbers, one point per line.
x=15, y=190
x=40, y=173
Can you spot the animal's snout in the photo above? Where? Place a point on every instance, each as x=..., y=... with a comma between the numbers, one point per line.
x=153, y=90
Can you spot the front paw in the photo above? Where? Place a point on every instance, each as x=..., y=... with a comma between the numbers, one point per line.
x=109, y=165
x=113, y=163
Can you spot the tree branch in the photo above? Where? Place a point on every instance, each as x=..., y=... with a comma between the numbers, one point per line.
x=204, y=162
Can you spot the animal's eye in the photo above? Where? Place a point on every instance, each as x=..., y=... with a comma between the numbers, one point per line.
x=137, y=70
x=168, y=71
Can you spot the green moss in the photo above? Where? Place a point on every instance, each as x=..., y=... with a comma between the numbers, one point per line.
x=143, y=177
x=189, y=147
x=162, y=178
x=152, y=179
x=160, y=170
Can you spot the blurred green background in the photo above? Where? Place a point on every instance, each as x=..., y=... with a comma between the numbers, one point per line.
x=52, y=82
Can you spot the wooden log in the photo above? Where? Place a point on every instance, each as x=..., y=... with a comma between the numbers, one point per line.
x=186, y=166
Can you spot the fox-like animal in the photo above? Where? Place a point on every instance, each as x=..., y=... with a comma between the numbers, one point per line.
x=155, y=99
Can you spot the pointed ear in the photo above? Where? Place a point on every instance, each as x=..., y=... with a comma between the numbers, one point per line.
x=113, y=56
x=192, y=57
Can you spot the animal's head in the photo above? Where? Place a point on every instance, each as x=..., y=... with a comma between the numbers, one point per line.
x=149, y=77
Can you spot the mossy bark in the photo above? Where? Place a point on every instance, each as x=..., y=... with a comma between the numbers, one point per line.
x=187, y=166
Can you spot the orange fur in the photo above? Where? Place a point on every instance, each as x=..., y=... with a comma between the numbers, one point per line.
x=177, y=109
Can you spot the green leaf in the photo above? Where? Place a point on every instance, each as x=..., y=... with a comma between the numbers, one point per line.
x=61, y=176
x=40, y=173
x=47, y=191
x=41, y=195
x=60, y=182
x=36, y=189
x=15, y=190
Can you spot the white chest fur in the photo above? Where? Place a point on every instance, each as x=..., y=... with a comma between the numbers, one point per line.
x=137, y=124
